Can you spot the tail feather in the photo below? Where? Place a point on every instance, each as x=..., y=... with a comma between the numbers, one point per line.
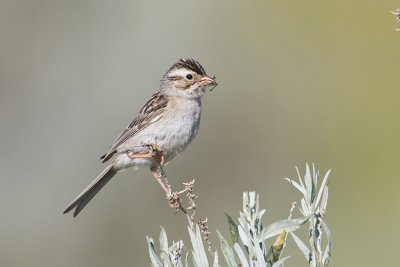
x=107, y=156
x=83, y=199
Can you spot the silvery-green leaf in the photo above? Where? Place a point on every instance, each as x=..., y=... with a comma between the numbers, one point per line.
x=297, y=185
x=199, y=254
x=241, y=255
x=164, y=250
x=257, y=203
x=315, y=234
x=305, y=210
x=233, y=228
x=326, y=257
x=264, y=249
x=315, y=175
x=279, y=263
x=328, y=250
x=163, y=240
x=287, y=225
x=227, y=251
x=216, y=263
x=244, y=234
x=303, y=248
x=313, y=262
x=328, y=233
x=309, y=184
x=196, y=258
x=155, y=261
x=324, y=201
x=245, y=237
x=186, y=260
x=259, y=255
x=246, y=203
x=322, y=187
x=252, y=199
x=200, y=246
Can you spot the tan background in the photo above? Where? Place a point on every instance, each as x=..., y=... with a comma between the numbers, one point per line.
x=299, y=81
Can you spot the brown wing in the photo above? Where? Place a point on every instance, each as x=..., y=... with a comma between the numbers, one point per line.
x=151, y=112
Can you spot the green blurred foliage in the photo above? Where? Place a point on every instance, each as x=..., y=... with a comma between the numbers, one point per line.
x=299, y=81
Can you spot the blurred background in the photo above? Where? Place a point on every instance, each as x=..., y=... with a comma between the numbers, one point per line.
x=299, y=81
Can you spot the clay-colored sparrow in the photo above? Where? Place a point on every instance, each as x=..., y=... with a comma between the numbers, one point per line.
x=165, y=126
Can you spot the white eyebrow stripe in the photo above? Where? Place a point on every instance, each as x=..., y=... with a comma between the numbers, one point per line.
x=179, y=72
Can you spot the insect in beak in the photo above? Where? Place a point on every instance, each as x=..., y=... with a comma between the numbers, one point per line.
x=213, y=78
x=207, y=81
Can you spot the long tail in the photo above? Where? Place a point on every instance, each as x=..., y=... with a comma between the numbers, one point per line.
x=83, y=199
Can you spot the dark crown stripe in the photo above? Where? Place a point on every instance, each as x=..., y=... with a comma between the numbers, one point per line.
x=189, y=63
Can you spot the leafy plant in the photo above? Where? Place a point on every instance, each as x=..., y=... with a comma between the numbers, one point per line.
x=313, y=205
x=249, y=236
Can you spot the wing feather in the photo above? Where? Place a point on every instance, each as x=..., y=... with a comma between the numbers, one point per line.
x=151, y=112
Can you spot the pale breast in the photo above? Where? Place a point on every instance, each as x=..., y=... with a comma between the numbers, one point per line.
x=173, y=132
x=180, y=127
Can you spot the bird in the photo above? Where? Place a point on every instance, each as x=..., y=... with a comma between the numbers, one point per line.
x=164, y=127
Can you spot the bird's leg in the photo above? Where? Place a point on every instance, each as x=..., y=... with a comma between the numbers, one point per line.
x=132, y=155
x=174, y=200
x=156, y=153
x=160, y=159
x=158, y=156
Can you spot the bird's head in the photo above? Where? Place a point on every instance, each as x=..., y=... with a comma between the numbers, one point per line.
x=187, y=78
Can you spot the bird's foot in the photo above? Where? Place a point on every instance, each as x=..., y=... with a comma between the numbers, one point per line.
x=158, y=155
x=155, y=153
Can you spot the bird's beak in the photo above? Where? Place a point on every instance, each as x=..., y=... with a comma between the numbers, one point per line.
x=207, y=81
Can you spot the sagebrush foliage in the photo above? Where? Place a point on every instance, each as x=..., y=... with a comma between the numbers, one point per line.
x=250, y=237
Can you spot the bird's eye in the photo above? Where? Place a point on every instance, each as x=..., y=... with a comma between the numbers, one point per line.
x=189, y=76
